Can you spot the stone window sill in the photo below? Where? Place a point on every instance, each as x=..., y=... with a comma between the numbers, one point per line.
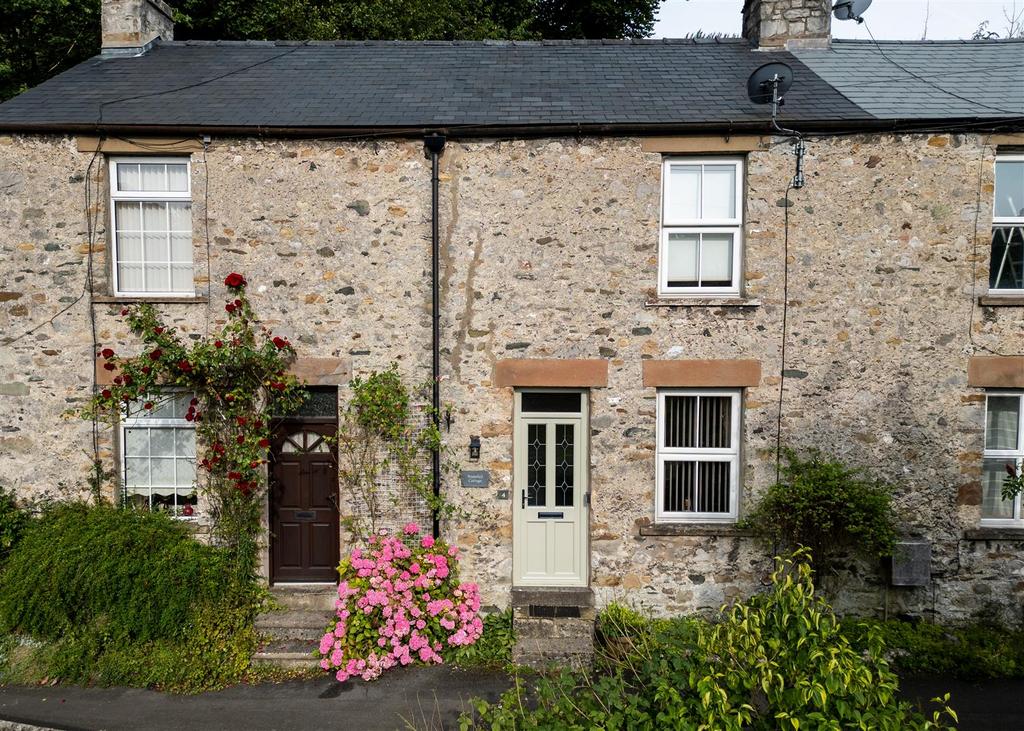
x=702, y=302
x=1001, y=300
x=994, y=534
x=106, y=299
x=695, y=529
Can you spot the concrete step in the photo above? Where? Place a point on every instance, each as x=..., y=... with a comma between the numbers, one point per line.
x=288, y=660
x=315, y=620
x=549, y=629
x=305, y=596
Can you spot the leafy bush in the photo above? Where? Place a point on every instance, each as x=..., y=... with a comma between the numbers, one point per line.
x=828, y=507
x=975, y=652
x=400, y=603
x=12, y=522
x=494, y=648
x=126, y=597
x=778, y=660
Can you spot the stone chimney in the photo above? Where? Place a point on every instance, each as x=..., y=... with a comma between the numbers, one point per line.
x=130, y=25
x=777, y=24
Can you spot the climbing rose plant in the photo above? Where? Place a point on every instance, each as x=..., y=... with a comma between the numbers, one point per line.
x=399, y=602
x=238, y=378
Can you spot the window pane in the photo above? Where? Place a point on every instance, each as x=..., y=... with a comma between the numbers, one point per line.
x=181, y=278
x=154, y=216
x=713, y=487
x=181, y=216
x=154, y=176
x=136, y=471
x=716, y=260
x=161, y=442
x=719, y=192
x=680, y=422
x=542, y=402
x=536, y=464
x=128, y=176
x=128, y=216
x=992, y=503
x=129, y=246
x=1009, y=188
x=681, y=259
x=136, y=442
x=716, y=422
x=684, y=192
x=162, y=470
x=186, y=473
x=1002, y=422
x=177, y=177
x=1006, y=270
x=677, y=486
x=565, y=453
x=185, y=442
x=158, y=278
x=181, y=247
x=130, y=278
x=154, y=247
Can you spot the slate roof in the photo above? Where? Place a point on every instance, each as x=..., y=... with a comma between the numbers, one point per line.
x=589, y=85
x=925, y=79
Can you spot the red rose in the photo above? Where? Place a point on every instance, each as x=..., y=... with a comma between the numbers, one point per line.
x=229, y=397
x=190, y=416
x=194, y=402
x=238, y=303
x=258, y=425
x=240, y=439
x=158, y=330
x=107, y=353
x=229, y=307
x=241, y=420
x=254, y=464
x=118, y=380
x=109, y=366
x=218, y=344
x=155, y=355
x=185, y=366
x=127, y=380
x=124, y=311
x=147, y=370
x=280, y=342
x=234, y=280
x=105, y=393
x=234, y=475
x=148, y=405
x=264, y=443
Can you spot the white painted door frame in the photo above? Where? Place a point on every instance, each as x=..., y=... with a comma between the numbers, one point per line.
x=551, y=493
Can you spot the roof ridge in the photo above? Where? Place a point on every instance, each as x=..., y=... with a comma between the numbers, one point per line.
x=497, y=42
x=929, y=42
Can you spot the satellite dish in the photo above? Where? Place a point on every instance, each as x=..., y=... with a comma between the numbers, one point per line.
x=769, y=83
x=851, y=9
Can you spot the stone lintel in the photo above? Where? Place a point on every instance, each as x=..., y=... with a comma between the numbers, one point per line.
x=702, y=373
x=986, y=533
x=705, y=144
x=142, y=145
x=996, y=371
x=695, y=529
x=551, y=372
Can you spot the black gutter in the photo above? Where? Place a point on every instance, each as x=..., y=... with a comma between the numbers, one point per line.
x=433, y=146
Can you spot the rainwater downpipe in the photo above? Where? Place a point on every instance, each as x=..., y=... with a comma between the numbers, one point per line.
x=433, y=146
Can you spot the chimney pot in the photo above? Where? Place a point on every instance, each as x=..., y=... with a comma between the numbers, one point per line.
x=129, y=26
x=774, y=25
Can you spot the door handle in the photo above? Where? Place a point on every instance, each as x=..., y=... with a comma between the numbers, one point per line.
x=523, y=493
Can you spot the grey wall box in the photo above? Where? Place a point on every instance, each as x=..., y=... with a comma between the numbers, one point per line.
x=911, y=563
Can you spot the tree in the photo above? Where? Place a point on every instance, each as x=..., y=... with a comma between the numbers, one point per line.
x=1013, y=28
x=40, y=38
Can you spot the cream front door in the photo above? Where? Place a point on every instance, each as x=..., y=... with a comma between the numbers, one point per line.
x=551, y=499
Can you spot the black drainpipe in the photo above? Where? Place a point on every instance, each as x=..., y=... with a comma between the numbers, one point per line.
x=433, y=147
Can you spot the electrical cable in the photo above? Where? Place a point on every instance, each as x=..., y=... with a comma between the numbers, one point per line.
x=785, y=330
x=206, y=224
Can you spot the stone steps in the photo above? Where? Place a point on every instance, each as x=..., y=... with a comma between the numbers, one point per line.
x=553, y=627
x=292, y=632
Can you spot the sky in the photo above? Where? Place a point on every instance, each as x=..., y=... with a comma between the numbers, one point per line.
x=887, y=19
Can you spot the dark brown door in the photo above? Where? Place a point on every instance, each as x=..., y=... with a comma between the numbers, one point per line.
x=303, y=504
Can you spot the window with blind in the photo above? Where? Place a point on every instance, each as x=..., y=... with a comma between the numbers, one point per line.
x=158, y=447
x=151, y=221
x=1004, y=450
x=702, y=227
x=698, y=455
x=1006, y=268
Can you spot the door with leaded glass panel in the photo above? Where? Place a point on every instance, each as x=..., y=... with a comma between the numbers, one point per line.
x=550, y=534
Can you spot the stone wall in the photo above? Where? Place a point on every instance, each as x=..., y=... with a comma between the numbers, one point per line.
x=549, y=251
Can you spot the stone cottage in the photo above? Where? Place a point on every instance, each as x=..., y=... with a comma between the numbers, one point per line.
x=637, y=295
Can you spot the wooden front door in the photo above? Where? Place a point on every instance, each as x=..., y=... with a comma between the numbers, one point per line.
x=303, y=504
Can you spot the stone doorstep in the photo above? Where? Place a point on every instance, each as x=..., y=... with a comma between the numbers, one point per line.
x=306, y=596
x=555, y=629
x=288, y=660
x=555, y=596
x=294, y=619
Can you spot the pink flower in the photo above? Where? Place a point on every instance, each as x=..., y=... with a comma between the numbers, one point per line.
x=411, y=529
x=427, y=541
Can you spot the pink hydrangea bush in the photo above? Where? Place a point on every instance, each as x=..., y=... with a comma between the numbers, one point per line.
x=399, y=602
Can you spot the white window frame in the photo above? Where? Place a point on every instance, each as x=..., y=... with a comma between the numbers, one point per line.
x=132, y=422
x=1004, y=221
x=1017, y=455
x=117, y=195
x=670, y=225
x=732, y=455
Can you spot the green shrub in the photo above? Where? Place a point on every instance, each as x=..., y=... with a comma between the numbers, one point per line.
x=12, y=522
x=979, y=651
x=779, y=660
x=827, y=507
x=494, y=648
x=126, y=597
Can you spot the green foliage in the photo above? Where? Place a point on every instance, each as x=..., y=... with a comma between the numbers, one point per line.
x=827, y=507
x=778, y=660
x=494, y=648
x=381, y=403
x=126, y=597
x=979, y=651
x=1013, y=483
x=13, y=520
x=620, y=620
